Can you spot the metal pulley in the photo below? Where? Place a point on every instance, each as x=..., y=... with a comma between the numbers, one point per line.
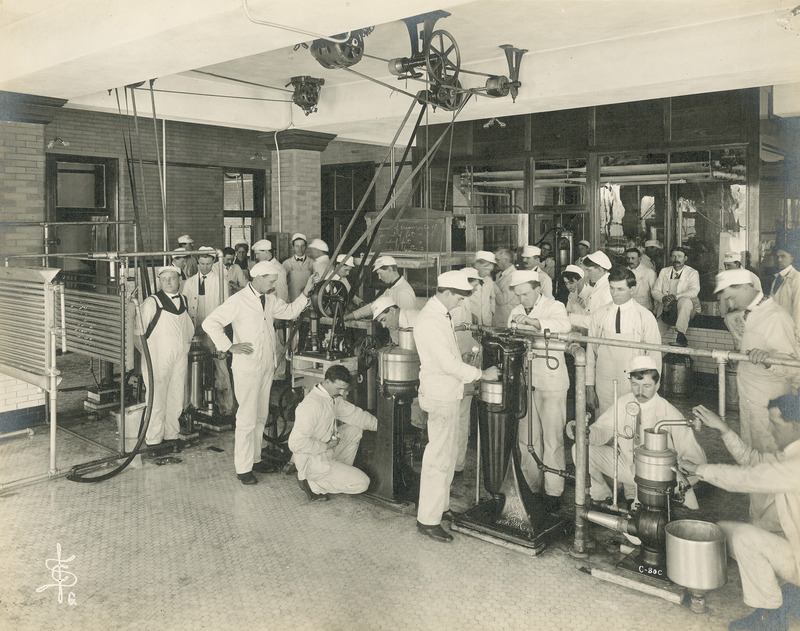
x=306, y=92
x=334, y=55
x=327, y=296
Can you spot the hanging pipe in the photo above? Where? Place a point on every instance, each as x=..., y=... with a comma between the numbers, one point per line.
x=581, y=450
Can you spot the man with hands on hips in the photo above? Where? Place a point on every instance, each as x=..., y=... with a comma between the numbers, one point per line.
x=768, y=549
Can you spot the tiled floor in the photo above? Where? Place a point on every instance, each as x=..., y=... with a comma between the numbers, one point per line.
x=186, y=546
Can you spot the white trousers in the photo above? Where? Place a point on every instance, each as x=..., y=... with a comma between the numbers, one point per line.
x=169, y=379
x=686, y=311
x=252, y=391
x=549, y=415
x=438, y=461
x=342, y=477
x=462, y=432
x=763, y=557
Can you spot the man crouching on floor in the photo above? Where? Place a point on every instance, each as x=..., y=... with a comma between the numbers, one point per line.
x=323, y=449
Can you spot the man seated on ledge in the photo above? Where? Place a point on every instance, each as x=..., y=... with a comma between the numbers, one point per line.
x=675, y=295
x=323, y=452
x=768, y=549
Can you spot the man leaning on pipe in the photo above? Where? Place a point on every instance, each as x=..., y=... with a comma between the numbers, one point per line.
x=767, y=549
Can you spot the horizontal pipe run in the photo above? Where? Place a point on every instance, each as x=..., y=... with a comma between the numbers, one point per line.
x=19, y=432
x=40, y=380
x=612, y=522
x=6, y=486
x=56, y=224
x=88, y=440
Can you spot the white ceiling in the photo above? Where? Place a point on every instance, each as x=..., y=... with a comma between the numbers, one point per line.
x=582, y=53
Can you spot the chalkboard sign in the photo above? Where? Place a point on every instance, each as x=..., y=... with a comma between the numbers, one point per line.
x=427, y=233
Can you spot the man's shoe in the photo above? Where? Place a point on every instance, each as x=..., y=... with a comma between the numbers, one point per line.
x=313, y=497
x=247, y=478
x=450, y=515
x=437, y=533
x=762, y=620
x=791, y=600
x=263, y=467
x=680, y=340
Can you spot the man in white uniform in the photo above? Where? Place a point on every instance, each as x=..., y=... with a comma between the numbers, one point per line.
x=768, y=330
x=583, y=248
x=623, y=319
x=298, y=266
x=442, y=377
x=734, y=318
x=548, y=263
x=596, y=266
x=785, y=289
x=531, y=257
x=675, y=293
x=482, y=300
x=398, y=288
x=648, y=409
x=317, y=251
x=235, y=277
x=767, y=549
x=574, y=279
x=504, y=297
x=187, y=243
x=645, y=278
x=202, y=293
x=168, y=329
x=653, y=254
x=251, y=312
x=262, y=251
x=549, y=412
x=324, y=449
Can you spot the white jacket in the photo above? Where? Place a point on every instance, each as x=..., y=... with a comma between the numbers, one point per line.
x=200, y=306
x=482, y=302
x=788, y=296
x=504, y=297
x=314, y=424
x=599, y=296
x=688, y=286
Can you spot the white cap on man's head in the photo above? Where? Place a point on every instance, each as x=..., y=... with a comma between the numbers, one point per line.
x=733, y=277
x=484, y=255
x=299, y=235
x=652, y=243
x=642, y=362
x=347, y=260
x=600, y=258
x=471, y=273
x=575, y=269
x=455, y=279
x=263, y=245
x=179, y=253
x=531, y=250
x=185, y=239
x=170, y=268
x=380, y=305
x=266, y=268
x=319, y=244
x=520, y=276
x=732, y=257
x=383, y=261
x=206, y=250
x=586, y=243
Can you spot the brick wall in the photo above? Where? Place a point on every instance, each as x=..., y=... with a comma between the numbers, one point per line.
x=21, y=186
x=300, y=191
x=709, y=339
x=21, y=404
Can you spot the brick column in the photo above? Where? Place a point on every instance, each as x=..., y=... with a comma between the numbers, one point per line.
x=299, y=183
x=22, y=198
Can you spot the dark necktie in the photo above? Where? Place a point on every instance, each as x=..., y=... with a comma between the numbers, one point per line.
x=300, y=260
x=177, y=299
x=618, y=320
x=263, y=301
x=202, y=291
x=777, y=284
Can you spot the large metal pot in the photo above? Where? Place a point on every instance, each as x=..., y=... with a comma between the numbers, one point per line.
x=491, y=392
x=398, y=365
x=696, y=554
x=654, y=460
x=405, y=339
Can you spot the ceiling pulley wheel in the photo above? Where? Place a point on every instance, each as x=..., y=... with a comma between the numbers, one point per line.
x=449, y=97
x=442, y=58
x=334, y=55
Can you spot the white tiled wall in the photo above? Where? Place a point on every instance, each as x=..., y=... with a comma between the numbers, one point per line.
x=18, y=395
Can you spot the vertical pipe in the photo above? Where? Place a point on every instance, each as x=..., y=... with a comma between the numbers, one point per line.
x=46, y=258
x=478, y=460
x=581, y=450
x=721, y=385
x=122, y=274
x=616, y=444
x=51, y=369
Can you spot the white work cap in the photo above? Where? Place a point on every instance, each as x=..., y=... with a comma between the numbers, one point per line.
x=185, y=239
x=177, y=254
x=520, y=276
x=170, y=268
x=299, y=235
x=483, y=255
x=380, y=305
x=205, y=250
x=732, y=257
x=600, y=258
x=455, y=279
x=319, y=244
x=263, y=245
x=575, y=269
x=347, y=260
x=383, y=261
x=266, y=268
x=643, y=362
x=652, y=243
x=733, y=277
x=531, y=250
x=586, y=243
x=471, y=273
